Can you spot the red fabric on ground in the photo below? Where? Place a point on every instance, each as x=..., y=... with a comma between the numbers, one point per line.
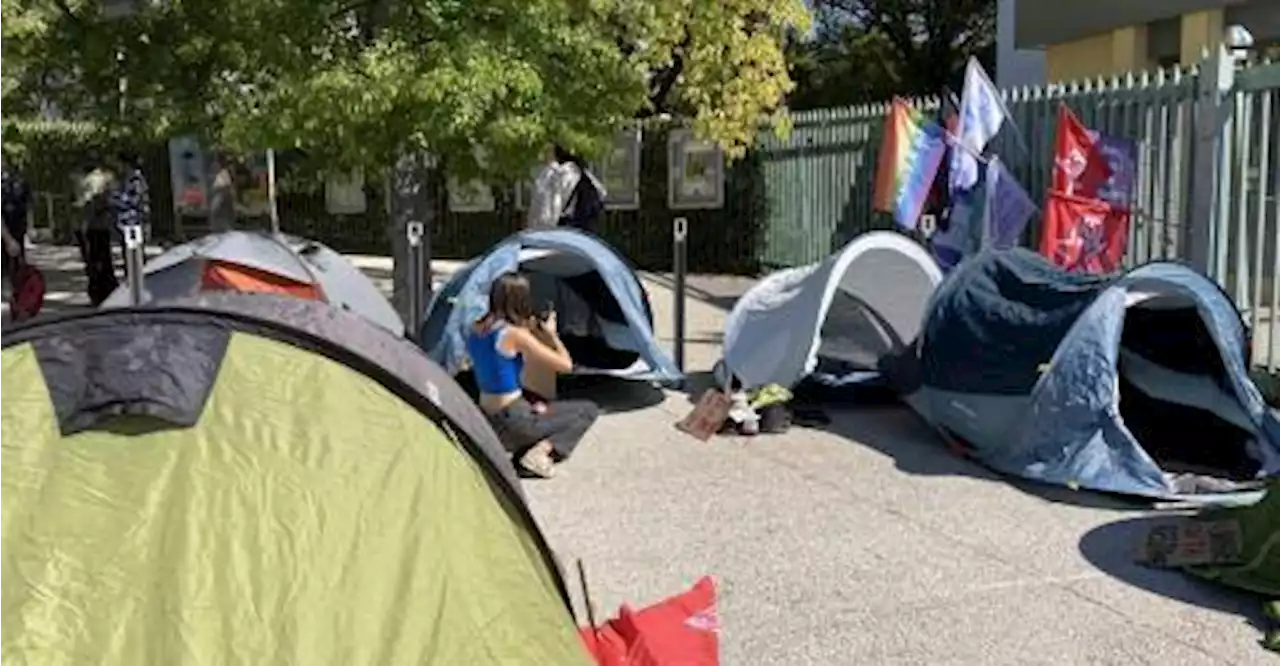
x=680, y=631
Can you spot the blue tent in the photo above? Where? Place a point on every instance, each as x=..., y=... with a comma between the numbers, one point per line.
x=602, y=311
x=1134, y=384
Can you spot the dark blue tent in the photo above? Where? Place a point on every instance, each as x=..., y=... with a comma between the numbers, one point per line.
x=1135, y=384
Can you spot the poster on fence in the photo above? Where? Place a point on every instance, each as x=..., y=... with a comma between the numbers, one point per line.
x=620, y=171
x=189, y=175
x=695, y=172
x=473, y=196
x=344, y=193
x=253, y=191
x=191, y=172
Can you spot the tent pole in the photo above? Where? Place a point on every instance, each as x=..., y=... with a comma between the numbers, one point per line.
x=680, y=251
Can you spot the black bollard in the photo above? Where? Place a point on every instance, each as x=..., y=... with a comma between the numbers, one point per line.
x=134, y=261
x=679, y=264
x=414, y=232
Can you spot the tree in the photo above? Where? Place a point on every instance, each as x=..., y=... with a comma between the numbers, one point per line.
x=483, y=85
x=869, y=50
x=355, y=82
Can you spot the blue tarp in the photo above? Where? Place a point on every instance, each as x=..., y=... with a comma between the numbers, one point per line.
x=627, y=326
x=1023, y=363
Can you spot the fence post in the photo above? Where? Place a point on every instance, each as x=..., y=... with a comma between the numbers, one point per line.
x=1210, y=155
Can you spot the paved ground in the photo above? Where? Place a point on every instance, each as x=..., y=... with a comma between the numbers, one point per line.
x=862, y=543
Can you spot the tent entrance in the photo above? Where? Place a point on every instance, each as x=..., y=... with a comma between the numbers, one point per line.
x=590, y=320
x=875, y=310
x=230, y=276
x=1175, y=397
x=853, y=338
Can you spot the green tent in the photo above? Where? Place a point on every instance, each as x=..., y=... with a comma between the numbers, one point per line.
x=1259, y=567
x=259, y=479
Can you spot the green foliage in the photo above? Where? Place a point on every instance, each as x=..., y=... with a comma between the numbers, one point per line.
x=870, y=50
x=485, y=84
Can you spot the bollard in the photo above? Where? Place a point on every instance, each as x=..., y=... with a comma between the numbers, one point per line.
x=679, y=264
x=413, y=267
x=272, y=195
x=134, y=260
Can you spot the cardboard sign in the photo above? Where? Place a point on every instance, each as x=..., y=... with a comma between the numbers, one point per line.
x=1193, y=543
x=707, y=416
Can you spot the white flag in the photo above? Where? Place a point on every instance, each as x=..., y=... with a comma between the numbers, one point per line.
x=982, y=113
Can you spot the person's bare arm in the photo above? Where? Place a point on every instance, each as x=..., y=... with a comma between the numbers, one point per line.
x=11, y=245
x=548, y=351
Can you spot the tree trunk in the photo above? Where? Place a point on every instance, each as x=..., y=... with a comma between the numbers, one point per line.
x=410, y=199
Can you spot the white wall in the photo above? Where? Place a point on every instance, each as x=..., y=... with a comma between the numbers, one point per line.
x=1015, y=67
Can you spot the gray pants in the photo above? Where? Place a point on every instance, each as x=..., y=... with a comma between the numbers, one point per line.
x=564, y=423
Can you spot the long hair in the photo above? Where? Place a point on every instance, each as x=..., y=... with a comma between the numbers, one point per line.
x=563, y=156
x=510, y=299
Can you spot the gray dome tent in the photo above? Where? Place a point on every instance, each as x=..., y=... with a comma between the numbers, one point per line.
x=833, y=321
x=260, y=262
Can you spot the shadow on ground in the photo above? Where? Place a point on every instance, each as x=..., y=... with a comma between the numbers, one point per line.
x=611, y=394
x=723, y=301
x=1114, y=548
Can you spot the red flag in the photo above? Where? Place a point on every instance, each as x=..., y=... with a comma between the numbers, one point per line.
x=1085, y=235
x=1079, y=168
x=680, y=631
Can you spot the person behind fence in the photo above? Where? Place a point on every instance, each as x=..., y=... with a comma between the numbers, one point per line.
x=97, y=188
x=566, y=193
x=132, y=199
x=222, y=193
x=538, y=434
x=16, y=203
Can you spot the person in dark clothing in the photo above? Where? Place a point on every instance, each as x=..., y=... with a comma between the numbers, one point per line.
x=16, y=203
x=537, y=434
x=586, y=202
x=132, y=199
x=97, y=227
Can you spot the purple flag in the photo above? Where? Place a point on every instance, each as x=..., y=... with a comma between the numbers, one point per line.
x=1007, y=210
x=1121, y=156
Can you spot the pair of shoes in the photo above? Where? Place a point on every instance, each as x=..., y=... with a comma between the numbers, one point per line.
x=538, y=462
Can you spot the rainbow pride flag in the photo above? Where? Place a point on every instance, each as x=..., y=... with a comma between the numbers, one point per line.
x=910, y=155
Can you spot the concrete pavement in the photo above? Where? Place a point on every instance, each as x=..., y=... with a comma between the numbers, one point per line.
x=863, y=542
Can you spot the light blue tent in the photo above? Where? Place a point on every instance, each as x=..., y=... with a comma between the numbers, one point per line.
x=1134, y=384
x=831, y=322
x=602, y=310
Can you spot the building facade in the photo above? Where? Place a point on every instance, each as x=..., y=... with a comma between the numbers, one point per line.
x=1090, y=38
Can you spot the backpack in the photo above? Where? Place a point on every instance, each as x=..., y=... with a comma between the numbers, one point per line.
x=587, y=204
x=28, y=290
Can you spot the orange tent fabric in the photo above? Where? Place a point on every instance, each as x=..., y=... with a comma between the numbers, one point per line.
x=226, y=276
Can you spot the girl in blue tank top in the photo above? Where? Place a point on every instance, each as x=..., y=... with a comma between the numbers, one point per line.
x=499, y=344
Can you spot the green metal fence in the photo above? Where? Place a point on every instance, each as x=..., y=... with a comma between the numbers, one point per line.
x=820, y=178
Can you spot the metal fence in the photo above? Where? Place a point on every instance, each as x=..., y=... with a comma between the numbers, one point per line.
x=821, y=176
x=1208, y=138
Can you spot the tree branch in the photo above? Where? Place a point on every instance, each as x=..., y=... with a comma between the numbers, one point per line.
x=666, y=79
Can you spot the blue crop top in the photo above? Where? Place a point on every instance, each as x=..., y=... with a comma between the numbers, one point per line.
x=496, y=372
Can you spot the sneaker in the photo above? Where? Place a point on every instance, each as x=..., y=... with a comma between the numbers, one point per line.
x=537, y=461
